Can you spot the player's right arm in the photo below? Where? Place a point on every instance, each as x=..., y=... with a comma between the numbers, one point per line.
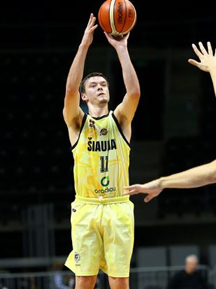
x=72, y=112
x=195, y=177
x=207, y=61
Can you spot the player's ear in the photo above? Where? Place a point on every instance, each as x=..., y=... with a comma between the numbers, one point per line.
x=83, y=96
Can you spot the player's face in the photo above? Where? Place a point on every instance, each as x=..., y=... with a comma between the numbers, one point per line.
x=96, y=90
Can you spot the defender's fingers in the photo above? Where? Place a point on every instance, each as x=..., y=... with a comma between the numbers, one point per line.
x=147, y=199
x=202, y=48
x=196, y=50
x=194, y=62
x=130, y=187
x=209, y=48
x=130, y=191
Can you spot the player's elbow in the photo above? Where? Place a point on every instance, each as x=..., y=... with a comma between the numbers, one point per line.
x=135, y=93
x=64, y=114
x=66, y=117
x=70, y=90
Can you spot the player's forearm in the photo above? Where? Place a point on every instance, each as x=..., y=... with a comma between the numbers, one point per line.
x=76, y=70
x=129, y=74
x=192, y=178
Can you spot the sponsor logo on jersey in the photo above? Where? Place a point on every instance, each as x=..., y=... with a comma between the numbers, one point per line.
x=105, y=181
x=105, y=191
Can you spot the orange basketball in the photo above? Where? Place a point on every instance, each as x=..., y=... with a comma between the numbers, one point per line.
x=117, y=17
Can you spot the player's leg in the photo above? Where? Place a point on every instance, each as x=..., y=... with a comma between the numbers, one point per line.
x=118, y=226
x=85, y=282
x=119, y=283
x=87, y=242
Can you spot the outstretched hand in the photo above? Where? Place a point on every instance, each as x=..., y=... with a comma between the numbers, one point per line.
x=89, y=31
x=206, y=56
x=152, y=189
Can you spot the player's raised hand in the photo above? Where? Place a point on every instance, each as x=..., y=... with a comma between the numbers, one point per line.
x=151, y=189
x=89, y=31
x=117, y=41
x=206, y=56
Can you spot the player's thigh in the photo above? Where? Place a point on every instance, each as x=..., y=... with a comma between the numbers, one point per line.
x=86, y=238
x=119, y=238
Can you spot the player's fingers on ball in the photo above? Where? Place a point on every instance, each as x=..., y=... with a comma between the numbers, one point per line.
x=127, y=35
x=106, y=35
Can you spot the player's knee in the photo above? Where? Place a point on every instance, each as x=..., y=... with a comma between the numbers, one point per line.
x=85, y=282
x=119, y=283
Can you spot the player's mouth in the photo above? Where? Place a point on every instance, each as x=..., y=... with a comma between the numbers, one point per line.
x=101, y=93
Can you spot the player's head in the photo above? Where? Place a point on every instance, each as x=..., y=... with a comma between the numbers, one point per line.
x=94, y=89
x=191, y=263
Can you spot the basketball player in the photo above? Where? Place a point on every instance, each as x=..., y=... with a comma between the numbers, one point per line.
x=102, y=218
x=197, y=176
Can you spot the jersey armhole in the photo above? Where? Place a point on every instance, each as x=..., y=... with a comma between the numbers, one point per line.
x=120, y=130
x=81, y=128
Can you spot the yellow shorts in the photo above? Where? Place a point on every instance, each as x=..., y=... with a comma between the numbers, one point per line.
x=102, y=236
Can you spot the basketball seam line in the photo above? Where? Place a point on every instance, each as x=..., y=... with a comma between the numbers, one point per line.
x=135, y=18
x=112, y=19
x=124, y=18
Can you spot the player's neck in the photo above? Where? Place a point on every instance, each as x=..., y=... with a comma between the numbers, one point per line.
x=98, y=111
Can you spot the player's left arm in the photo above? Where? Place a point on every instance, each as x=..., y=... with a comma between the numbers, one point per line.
x=125, y=111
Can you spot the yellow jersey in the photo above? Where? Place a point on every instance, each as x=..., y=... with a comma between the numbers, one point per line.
x=101, y=158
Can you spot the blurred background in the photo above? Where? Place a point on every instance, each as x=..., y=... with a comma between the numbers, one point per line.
x=173, y=130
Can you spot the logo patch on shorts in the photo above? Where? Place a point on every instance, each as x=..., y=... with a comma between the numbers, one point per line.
x=76, y=257
x=74, y=210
